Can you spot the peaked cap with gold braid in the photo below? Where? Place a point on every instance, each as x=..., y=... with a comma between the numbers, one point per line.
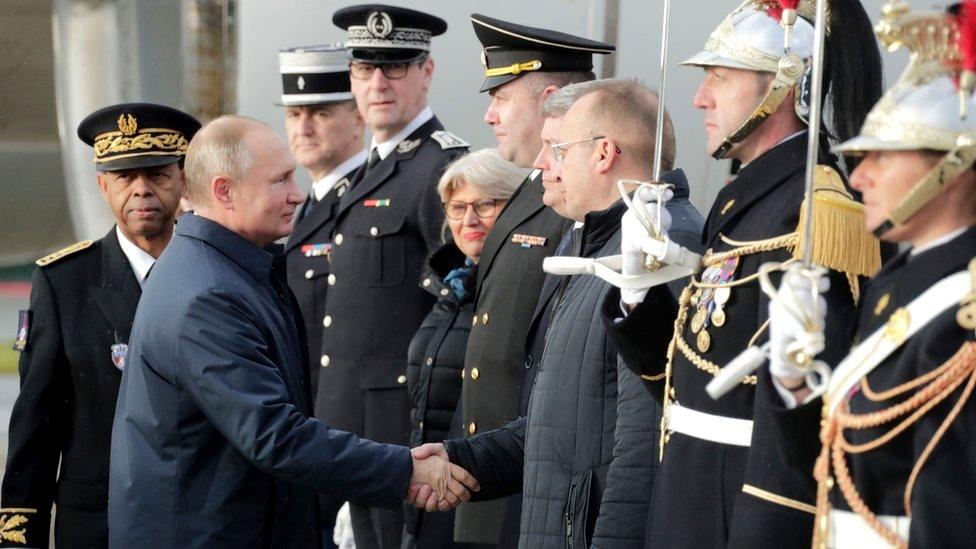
x=137, y=135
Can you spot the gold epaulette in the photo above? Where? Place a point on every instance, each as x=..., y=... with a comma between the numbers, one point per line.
x=840, y=240
x=63, y=252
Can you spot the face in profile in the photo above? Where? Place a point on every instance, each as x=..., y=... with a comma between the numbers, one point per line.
x=515, y=115
x=470, y=215
x=265, y=201
x=144, y=200
x=554, y=195
x=321, y=136
x=728, y=96
x=389, y=104
x=884, y=179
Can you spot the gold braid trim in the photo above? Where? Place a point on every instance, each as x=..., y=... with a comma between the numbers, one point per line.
x=933, y=388
x=706, y=365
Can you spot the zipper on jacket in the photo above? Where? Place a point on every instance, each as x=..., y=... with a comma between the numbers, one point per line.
x=569, y=528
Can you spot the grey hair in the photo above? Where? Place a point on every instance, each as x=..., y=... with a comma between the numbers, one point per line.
x=558, y=104
x=217, y=149
x=484, y=169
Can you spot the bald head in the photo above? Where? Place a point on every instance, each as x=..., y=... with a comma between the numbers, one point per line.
x=240, y=174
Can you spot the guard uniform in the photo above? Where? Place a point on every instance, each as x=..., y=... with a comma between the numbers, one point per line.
x=313, y=76
x=724, y=478
x=73, y=343
x=510, y=277
x=386, y=226
x=896, y=469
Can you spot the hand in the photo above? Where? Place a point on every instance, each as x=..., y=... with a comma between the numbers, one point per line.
x=636, y=241
x=796, y=323
x=436, y=484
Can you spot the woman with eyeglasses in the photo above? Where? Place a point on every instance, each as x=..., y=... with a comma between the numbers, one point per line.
x=473, y=189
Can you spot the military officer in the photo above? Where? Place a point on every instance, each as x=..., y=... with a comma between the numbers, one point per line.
x=895, y=468
x=325, y=134
x=385, y=227
x=723, y=479
x=73, y=339
x=523, y=67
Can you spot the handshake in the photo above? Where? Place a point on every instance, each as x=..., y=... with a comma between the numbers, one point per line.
x=437, y=484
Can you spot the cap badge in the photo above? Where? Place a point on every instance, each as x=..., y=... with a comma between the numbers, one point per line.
x=408, y=145
x=127, y=124
x=301, y=82
x=484, y=59
x=379, y=24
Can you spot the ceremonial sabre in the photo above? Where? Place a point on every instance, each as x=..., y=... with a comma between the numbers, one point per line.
x=659, y=128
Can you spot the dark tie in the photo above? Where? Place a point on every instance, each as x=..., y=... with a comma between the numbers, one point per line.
x=374, y=159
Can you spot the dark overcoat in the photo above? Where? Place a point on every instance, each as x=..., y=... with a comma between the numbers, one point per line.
x=81, y=305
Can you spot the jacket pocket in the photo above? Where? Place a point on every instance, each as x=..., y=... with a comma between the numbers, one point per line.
x=381, y=252
x=383, y=373
x=90, y=496
x=577, y=517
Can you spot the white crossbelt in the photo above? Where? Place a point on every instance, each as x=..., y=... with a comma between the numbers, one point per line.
x=721, y=429
x=849, y=531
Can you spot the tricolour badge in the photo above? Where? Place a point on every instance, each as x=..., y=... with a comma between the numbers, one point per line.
x=23, y=330
x=527, y=240
x=119, y=352
x=377, y=203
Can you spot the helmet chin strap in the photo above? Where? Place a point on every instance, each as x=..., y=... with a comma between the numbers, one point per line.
x=788, y=75
x=950, y=166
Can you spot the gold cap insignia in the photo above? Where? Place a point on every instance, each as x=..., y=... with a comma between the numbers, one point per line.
x=127, y=124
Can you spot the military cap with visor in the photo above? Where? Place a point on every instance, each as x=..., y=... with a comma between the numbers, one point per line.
x=312, y=75
x=378, y=34
x=510, y=50
x=931, y=107
x=137, y=135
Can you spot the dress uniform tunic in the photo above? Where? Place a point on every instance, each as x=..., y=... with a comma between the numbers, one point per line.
x=81, y=306
x=729, y=494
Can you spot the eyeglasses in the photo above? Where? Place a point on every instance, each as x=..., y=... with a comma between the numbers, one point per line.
x=392, y=71
x=559, y=149
x=483, y=208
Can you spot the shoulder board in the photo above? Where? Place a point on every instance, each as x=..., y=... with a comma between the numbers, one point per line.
x=448, y=140
x=840, y=241
x=63, y=252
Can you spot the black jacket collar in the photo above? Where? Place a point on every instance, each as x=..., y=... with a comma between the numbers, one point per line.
x=254, y=260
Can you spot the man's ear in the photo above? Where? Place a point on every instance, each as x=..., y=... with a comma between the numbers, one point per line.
x=222, y=191
x=102, y=179
x=550, y=89
x=428, y=69
x=607, y=152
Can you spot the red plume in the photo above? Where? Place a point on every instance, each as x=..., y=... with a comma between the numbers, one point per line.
x=776, y=10
x=966, y=39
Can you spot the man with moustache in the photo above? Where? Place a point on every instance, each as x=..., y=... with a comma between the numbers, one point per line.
x=325, y=134
x=74, y=338
x=386, y=225
x=523, y=67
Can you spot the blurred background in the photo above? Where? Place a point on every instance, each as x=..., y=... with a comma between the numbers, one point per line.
x=63, y=59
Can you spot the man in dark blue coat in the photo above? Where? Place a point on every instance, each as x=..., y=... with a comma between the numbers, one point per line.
x=213, y=443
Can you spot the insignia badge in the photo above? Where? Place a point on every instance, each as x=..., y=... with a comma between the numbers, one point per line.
x=316, y=250
x=527, y=241
x=379, y=24
x=127, y=124
x=408, y=145
x=23, y=330
x=882, y=304
x=119, y=352
x=341, y=187
x=377, y=203
x=301, y=83
x=448, y=140
x=728, y=206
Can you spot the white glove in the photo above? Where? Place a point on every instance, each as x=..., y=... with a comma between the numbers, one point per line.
x=796, y=322
x=635, y=240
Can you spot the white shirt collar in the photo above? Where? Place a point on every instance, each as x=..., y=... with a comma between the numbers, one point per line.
x=938, y=241
x=322, y=187
x=139, y=259
x=387, y=146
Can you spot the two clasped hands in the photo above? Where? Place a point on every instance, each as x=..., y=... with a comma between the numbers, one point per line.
x=436, y=484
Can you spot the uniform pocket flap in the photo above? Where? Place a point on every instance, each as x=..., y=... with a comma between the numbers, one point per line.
x=379, y=226
x=383, y=373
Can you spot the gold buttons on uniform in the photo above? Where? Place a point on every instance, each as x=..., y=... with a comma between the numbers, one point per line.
x=474, y=321
x=475, y=373
x=327, y=321
x=309, y=274
x=324, y=361
x=444, y=291
x=401, y=379
x=373, y=231
x=462, y=373
x=426, y=282
x=430, y=360
x=338, y=239
x=332, y=280
x=472, y=428
x=484, y=318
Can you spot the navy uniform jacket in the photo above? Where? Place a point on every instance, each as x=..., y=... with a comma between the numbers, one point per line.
x=510, y=278
x=81, y=305
x=307, y=252
x=213, y=443
x=709, y=494
x=385, y=228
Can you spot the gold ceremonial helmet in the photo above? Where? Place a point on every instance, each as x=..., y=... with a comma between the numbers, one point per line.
x=926, y=109
x=761, y=36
